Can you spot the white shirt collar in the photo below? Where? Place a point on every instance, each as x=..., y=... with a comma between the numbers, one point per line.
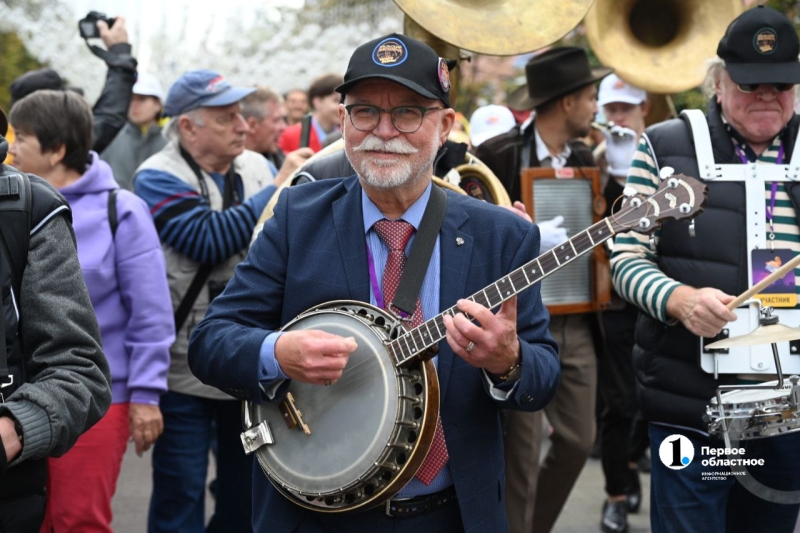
x=543, y=154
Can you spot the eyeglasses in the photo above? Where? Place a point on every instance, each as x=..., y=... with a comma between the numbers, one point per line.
x=750, y=87
x=407, y=118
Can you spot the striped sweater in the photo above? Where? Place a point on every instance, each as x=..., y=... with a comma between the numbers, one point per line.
x=634, y=266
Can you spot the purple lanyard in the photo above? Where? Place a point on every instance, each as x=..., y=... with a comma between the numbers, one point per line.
x=771, y=207
x=373, y=279
x=376, y=290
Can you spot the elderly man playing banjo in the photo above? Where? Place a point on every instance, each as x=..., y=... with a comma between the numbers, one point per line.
x=683, y=284
x=349, y=240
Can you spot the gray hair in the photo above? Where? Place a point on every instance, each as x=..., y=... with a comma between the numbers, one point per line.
x=253, y=104
x=714, y=69
x=171, y=132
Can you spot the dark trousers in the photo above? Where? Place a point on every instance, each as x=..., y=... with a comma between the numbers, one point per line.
x=180, y=466
x=24, y=514
x=535, y=494
x=444, y=519
x=624, y=434
x=682, y=500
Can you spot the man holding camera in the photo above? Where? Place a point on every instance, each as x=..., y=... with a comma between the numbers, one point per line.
x=110, y=112
x=205, y=192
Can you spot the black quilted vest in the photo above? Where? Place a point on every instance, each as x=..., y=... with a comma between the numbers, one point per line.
x=670, y=384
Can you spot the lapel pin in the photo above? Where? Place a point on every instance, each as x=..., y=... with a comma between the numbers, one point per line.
x=459, y=241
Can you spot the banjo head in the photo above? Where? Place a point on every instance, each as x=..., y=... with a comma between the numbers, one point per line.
x=364, y=428
x=755, y=413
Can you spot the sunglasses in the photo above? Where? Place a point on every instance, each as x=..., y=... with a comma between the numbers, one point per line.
x=750, y=87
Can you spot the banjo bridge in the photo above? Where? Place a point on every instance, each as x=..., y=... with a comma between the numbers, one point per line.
x=292, y=415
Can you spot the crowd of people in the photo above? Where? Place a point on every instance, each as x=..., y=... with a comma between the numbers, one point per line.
x=143, y=300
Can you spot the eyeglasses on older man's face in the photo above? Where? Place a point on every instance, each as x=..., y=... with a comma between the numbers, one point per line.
x=752, y=87
x=407, y=119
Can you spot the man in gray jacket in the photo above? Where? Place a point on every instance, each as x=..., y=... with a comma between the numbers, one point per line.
x=54, y=377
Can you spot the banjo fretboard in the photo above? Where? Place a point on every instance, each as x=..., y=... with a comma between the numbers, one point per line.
x=419, y=339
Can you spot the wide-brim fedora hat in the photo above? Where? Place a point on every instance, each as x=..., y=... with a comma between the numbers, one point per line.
x=553, y=74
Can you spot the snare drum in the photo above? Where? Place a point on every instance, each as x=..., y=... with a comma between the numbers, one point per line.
x=755, y=413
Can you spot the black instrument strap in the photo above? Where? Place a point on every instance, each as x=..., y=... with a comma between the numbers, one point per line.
x=305, y=131
x=405, y=299
x=231, y=195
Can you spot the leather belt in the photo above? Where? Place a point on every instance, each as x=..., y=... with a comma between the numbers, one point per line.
x=421, y=504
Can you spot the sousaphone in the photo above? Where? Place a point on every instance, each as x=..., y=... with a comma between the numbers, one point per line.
x=661, y=46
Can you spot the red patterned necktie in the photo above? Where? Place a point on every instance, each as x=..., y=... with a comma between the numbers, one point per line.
x=395, y=234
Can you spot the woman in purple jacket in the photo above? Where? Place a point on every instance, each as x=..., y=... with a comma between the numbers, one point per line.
x=126, y=277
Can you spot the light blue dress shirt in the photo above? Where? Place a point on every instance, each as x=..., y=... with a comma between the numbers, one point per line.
x=271, y=374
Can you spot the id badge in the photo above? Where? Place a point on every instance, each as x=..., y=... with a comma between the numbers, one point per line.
x=782, y=292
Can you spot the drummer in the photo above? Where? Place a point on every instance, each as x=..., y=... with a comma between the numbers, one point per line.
x=683, y=287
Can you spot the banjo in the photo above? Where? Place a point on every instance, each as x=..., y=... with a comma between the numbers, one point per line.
x=356, y=444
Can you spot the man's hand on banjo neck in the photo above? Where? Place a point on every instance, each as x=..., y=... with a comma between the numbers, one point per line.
x=492, y=343
x=313, y=356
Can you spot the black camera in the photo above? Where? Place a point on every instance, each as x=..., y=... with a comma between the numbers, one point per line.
x=88, y=26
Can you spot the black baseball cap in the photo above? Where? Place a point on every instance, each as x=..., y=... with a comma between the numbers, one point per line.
x=403, y=60
x=761, y=46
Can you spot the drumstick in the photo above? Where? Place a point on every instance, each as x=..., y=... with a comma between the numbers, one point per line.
x=766, y=282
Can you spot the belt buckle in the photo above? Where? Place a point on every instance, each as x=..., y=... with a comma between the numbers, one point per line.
x=388, y=508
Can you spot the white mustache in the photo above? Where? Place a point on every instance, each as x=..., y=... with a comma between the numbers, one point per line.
x=373, y=143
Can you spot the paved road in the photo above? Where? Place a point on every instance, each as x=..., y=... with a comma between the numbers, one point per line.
x=581, y=514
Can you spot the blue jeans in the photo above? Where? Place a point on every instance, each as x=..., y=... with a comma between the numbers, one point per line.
x=180, y=466
x=681, y=501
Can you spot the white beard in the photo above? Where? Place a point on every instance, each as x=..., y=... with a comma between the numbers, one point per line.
x=383, y=174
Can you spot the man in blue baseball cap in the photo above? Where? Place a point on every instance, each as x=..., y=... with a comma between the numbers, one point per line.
x=205, y=192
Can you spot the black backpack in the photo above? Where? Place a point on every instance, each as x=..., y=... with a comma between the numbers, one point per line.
x=15, y=232
x=15, y=222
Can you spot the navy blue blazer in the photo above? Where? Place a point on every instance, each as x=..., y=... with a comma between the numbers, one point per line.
x=313, y=250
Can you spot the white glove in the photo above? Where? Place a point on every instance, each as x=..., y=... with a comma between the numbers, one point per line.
x=620, y=147
x=552, y=234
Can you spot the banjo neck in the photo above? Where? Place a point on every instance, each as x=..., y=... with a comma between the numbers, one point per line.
x=416, y=342
x=678, y=197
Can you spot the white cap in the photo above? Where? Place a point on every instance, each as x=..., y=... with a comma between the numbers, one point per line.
x=148, y=85
x=489, y=121
x=613, y=89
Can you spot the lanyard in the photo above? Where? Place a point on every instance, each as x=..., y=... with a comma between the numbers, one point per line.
x=373, y=280
x=771, y=208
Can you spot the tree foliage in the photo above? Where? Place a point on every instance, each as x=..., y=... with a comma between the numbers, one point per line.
x=15, y=60
x=49, y=31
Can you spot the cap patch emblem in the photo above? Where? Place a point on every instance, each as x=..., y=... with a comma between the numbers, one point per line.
x=619, y=85
x=390, y=53
x=765, y=41
x=444, y=75
x=217, y=84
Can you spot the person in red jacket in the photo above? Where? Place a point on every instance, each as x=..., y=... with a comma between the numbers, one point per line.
x=324, y=115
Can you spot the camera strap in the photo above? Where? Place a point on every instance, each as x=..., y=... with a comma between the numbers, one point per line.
x=230, y=196
x=102, y=53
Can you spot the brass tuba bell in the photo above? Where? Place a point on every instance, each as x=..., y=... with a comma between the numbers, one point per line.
x=496, y=27
x=661, y=46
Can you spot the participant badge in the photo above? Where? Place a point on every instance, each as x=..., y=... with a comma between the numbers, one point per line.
x=782, y=292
